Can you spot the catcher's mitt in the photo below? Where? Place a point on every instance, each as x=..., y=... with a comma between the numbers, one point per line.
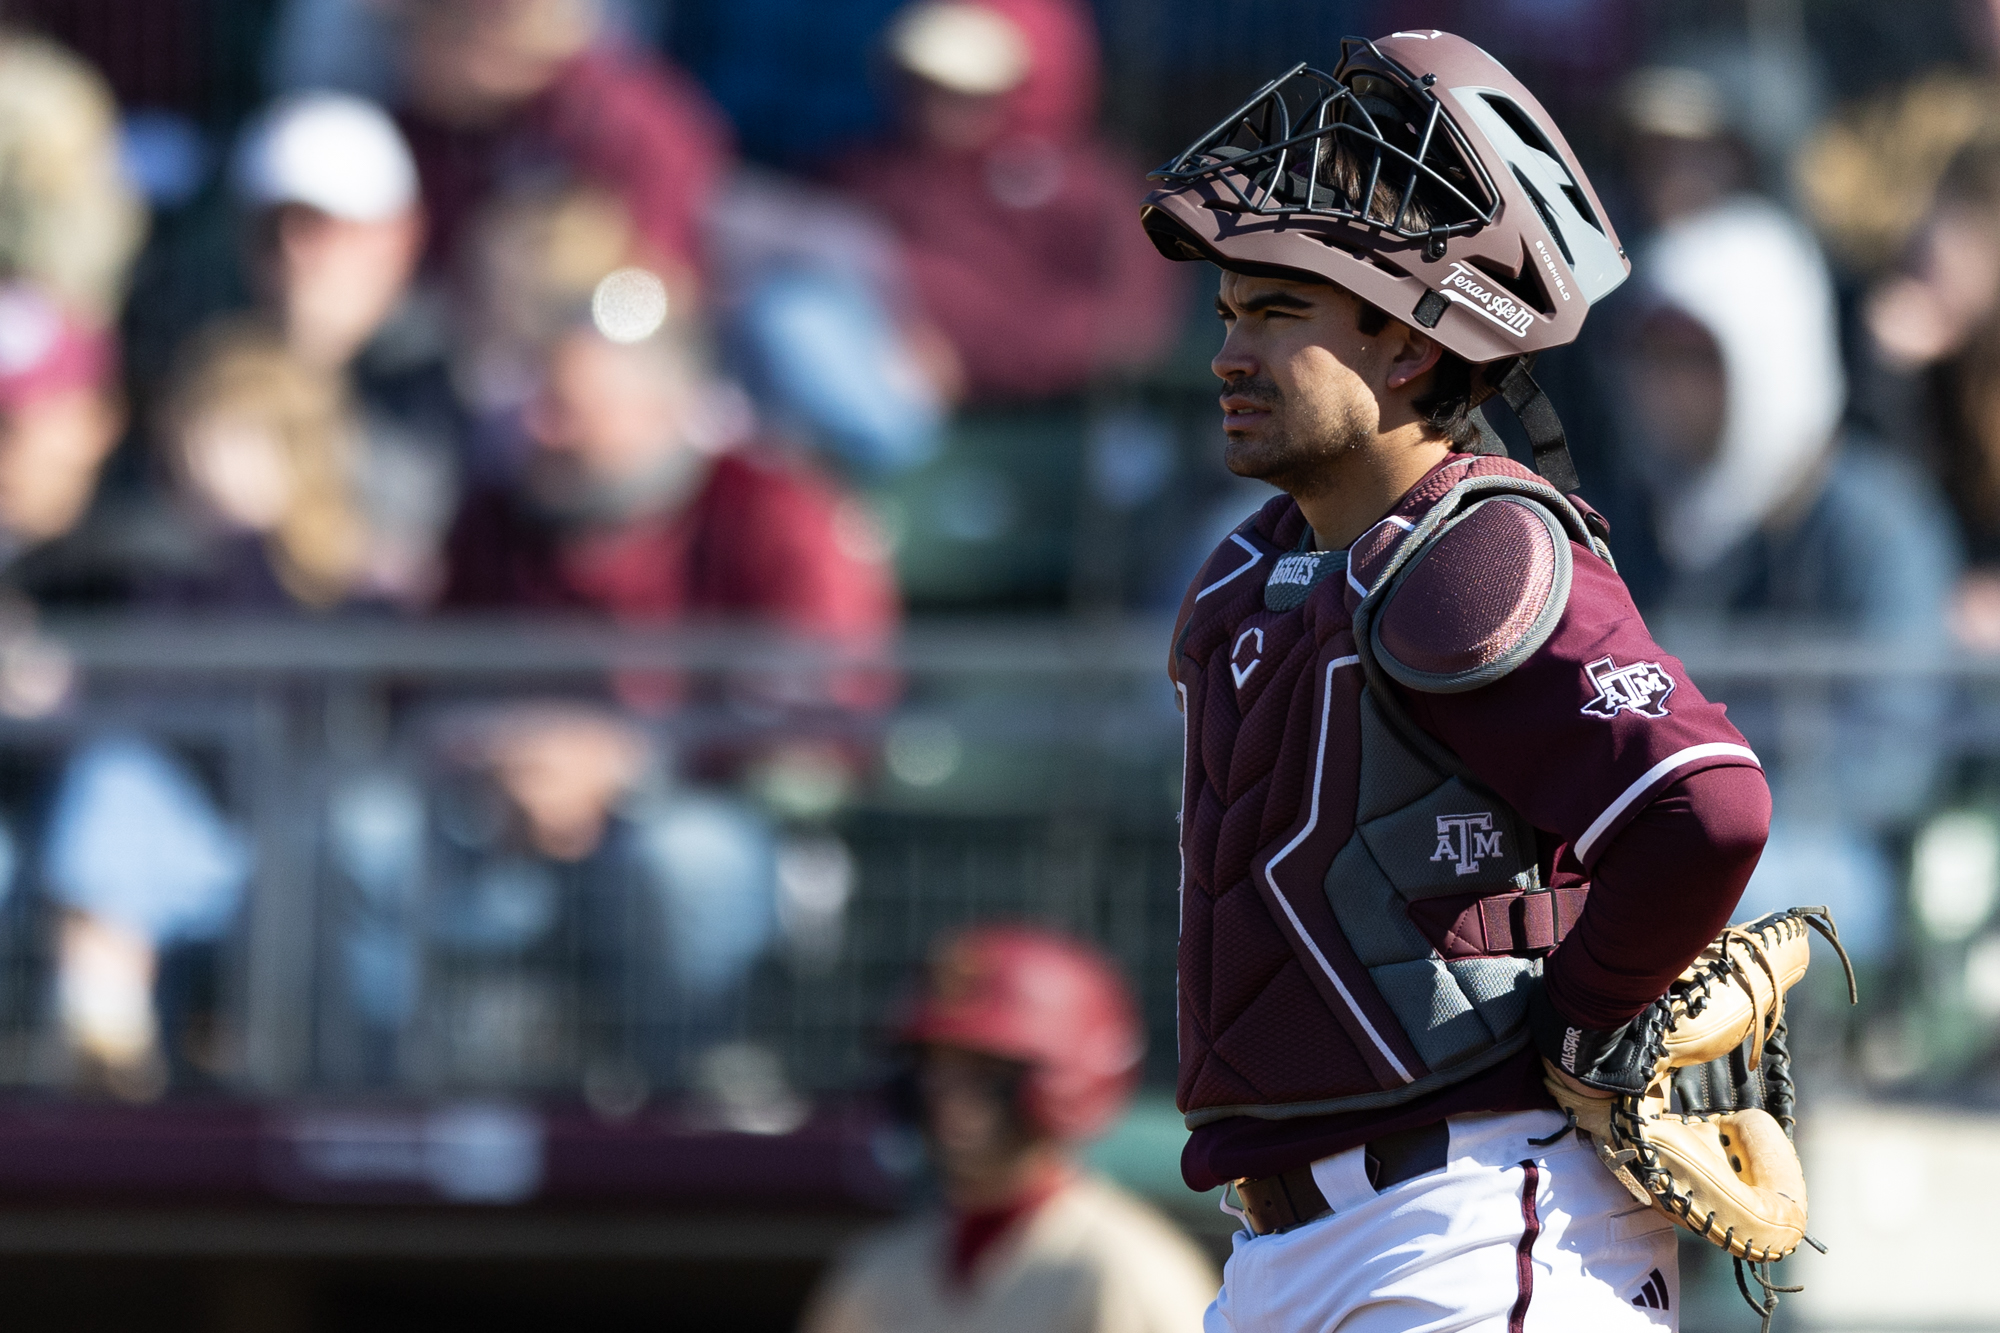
x=1699, y=1120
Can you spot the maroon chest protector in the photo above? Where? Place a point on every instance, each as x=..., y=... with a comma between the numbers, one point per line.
x=1360, y=918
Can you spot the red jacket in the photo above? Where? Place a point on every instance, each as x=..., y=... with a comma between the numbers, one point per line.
x=1026, y=253
x=762, y=539
x=623, y=122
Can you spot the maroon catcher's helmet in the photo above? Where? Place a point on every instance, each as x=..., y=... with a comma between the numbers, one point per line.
x=1421, y=176
x=1049, y=1002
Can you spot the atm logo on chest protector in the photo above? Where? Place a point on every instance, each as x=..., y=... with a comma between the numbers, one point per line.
x=1466, y=840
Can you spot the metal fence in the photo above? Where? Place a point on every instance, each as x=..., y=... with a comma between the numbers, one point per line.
x=1028, y=770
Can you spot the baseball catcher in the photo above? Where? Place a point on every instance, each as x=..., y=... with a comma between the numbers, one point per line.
x=1453, y=823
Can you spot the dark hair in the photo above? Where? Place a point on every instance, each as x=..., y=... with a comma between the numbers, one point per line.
x=1381, y=131
x=1447, y=405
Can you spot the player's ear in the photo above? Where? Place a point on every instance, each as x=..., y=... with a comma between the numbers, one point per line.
x=1413, y=352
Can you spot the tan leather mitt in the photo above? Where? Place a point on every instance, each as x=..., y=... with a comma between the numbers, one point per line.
x=1694, y=1104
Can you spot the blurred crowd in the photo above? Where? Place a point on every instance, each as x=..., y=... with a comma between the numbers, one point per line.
x=591, y=309
x=505, y=324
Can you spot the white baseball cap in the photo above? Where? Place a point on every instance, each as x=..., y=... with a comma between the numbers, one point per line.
x=334, y=152
x=967, y=48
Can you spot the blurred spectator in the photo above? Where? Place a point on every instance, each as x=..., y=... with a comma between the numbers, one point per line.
x=630, y=506
x=1763, y=508
x=69, y=224
x=640, y=496
x=1731, y=422
x=1716, y=122
x=1870, y=176
x=330, y=194
x=265, y=448
x=334, y=230
x=1704, y=124
x=820, y=322
x=557, y=828
x=1937, y=317
x=141, y=864
x=61, y=414
x=1022, y=1043
x=500, y=93
x=640, y=499
x=59, y=417
x=1016, y=220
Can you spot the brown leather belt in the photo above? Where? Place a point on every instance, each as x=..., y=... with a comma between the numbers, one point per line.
x=1292, y=1199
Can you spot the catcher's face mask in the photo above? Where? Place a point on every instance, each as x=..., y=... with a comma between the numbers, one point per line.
x=1421, y=176
x=1372, y=149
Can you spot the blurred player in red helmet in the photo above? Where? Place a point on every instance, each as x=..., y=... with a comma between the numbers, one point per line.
x=1025, y=1043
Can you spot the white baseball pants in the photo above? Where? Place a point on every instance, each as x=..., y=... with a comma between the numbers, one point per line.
x=1510, y=1237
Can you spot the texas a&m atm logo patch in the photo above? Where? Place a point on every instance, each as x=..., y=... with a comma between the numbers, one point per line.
x=1641, y=688
x=1466, y=840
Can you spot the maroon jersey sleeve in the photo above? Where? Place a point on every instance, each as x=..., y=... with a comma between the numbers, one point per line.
x=1584, y=738
x=1661, y=891
x=1592, y=726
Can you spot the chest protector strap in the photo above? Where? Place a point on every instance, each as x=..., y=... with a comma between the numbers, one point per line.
x=1408, y=780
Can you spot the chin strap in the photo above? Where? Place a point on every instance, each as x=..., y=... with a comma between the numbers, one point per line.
x=1517, y=388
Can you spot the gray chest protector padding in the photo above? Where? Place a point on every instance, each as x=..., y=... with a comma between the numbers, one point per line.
x=1425, y=828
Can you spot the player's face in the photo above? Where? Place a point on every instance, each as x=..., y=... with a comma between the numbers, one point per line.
x=1300, y=377
x=604, y=414
x=968, y=1102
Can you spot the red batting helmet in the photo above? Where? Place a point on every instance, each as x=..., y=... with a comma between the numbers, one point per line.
x=1421, y=176
x=1049, y=1002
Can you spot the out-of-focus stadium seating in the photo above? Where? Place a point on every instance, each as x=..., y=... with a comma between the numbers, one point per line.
x=291, y=976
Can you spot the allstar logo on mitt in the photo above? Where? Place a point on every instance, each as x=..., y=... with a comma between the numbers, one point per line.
x=1690, y=1104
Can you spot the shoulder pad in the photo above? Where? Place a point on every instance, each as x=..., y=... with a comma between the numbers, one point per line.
x=1477, y=599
